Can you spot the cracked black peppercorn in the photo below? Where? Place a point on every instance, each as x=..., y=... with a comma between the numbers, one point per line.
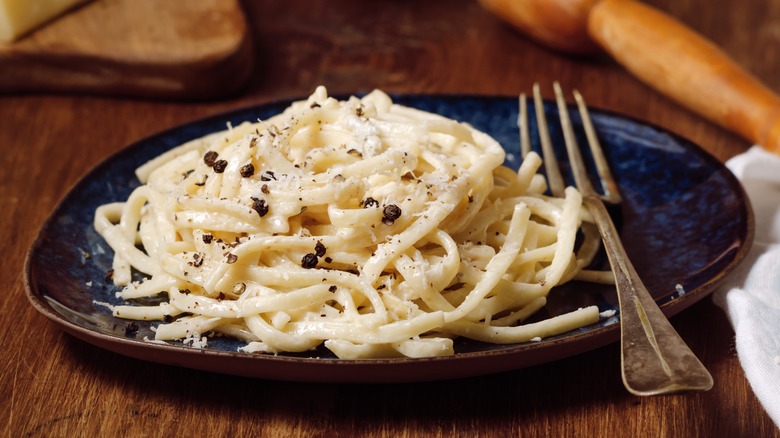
x=220, y=165
x=197, y=260
x=370, y=202
x=390, y=214
x=247, y=170
x=319, y=249
x=260, y=206
x=309, y=261
x=210, y=158
x=267, y=176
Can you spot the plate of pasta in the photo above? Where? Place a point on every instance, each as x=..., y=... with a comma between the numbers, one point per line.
x=373, y=238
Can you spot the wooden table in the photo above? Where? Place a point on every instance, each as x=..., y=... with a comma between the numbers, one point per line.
x=54, y=385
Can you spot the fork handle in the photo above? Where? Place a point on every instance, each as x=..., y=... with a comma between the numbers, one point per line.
x=654, y=358
x=675, y=60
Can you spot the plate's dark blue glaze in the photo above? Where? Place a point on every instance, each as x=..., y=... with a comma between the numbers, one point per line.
x=684, y=222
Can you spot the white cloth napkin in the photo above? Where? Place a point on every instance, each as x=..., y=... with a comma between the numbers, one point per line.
x=751, y=295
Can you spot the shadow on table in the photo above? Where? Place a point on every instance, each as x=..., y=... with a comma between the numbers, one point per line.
x=524, y=400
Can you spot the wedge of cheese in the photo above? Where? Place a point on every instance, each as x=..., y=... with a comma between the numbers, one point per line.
x=18, y=17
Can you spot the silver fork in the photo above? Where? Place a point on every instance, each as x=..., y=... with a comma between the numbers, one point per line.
x=654, y=359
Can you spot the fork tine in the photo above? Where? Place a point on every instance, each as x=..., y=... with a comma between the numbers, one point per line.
x=611, y=192
x=522, y=125
x=554, y=178
x=581, y=178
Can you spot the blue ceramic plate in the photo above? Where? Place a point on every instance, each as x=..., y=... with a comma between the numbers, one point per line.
x=685, y=223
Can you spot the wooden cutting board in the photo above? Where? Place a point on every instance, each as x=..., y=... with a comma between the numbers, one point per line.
x=191, y=49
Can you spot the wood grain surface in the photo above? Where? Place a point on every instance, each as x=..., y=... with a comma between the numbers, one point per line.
x=157, y=49
x=54, y=385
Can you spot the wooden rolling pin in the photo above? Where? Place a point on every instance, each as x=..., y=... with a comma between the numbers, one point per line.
x=660, y=51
